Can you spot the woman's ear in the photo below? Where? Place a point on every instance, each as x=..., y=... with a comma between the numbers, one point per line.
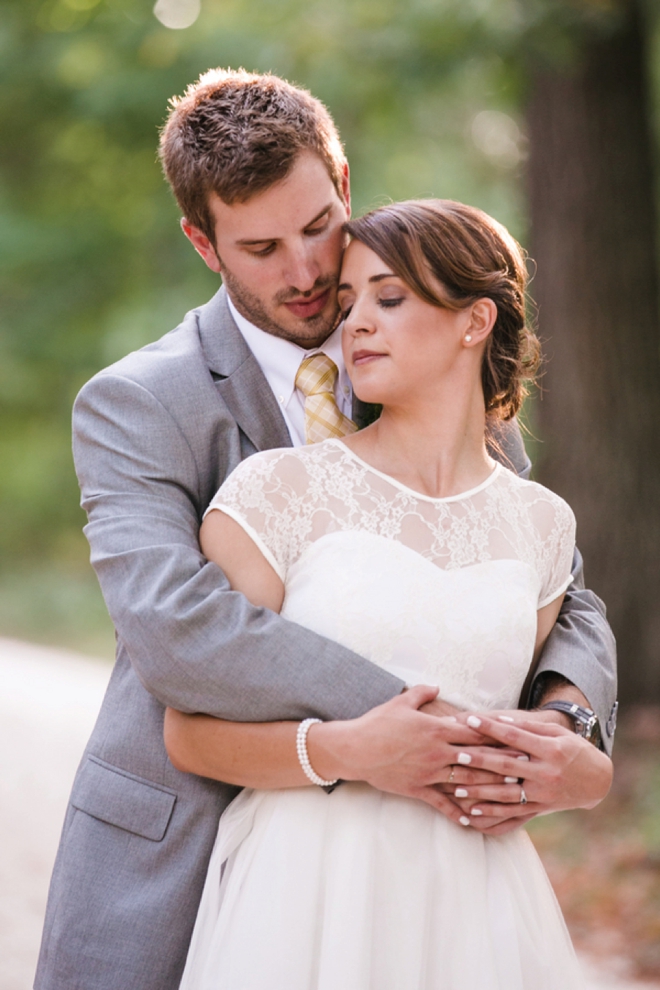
x=483, y=314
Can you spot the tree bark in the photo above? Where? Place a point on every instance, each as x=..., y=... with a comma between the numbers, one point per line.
x=594, y=240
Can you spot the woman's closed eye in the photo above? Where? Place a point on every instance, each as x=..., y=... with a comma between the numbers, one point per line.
x=390, y=303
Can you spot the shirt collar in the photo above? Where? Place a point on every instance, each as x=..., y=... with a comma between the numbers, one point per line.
x=280, y=359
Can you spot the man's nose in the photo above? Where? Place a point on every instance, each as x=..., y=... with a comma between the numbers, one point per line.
x=302, y=269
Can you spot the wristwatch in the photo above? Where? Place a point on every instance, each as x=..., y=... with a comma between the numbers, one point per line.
x=585, y=721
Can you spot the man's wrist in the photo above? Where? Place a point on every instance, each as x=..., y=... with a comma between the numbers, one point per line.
x=556, y=687
x=583, y=719
x=550, y=687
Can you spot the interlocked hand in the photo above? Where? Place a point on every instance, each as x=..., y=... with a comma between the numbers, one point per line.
x=549, y=766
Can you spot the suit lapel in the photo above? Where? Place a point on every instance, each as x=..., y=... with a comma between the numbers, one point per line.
x=238, y=377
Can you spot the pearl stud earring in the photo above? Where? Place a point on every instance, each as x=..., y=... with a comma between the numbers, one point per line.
x=468, y=338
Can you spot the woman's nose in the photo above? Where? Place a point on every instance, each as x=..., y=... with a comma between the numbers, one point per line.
x=360, y=319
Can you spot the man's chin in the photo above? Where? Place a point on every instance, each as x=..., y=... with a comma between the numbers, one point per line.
x=309, y=332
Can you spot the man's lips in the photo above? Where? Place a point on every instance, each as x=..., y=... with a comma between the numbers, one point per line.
x=308, y=307
x=365, y=357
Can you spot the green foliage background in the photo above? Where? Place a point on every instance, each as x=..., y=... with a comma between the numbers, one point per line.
x=93, y=264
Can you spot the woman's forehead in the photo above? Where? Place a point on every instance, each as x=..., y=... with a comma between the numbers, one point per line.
x=360, y=262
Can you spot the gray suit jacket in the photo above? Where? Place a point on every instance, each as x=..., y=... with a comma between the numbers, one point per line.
x=154, y=437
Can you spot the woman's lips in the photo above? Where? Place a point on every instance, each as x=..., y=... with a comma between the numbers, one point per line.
x=365, y=357
x=308, y=307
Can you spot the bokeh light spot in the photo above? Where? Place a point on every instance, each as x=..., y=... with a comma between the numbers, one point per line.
x=177, y=14
x=498, y=137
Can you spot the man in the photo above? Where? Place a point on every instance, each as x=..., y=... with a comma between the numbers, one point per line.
x=261, y=178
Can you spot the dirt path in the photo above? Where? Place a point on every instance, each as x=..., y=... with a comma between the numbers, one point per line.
x=48, y=704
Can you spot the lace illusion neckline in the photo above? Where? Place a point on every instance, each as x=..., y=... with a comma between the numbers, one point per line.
x=412, y=491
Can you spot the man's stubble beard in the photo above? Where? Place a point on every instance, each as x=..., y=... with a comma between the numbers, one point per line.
x=313, y=330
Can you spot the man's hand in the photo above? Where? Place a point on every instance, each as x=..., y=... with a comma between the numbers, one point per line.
x=562, y=771
x=421, y=747
x=398, y=748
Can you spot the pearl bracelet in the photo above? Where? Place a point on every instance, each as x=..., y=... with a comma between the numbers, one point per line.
x=303, y=756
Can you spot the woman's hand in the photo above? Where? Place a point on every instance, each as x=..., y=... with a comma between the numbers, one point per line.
x=561, y=771
x=397, y=748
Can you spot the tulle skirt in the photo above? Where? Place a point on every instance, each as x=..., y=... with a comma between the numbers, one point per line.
x=360, y=890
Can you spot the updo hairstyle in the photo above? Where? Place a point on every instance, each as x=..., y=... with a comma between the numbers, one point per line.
x=472, y=256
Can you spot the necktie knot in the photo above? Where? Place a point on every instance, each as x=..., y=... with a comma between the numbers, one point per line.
x=317, y=374
x=316, y=379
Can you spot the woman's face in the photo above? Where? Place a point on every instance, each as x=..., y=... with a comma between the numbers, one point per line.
x=396, y=345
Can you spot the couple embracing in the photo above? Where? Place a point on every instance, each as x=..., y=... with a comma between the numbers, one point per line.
x=380, y=631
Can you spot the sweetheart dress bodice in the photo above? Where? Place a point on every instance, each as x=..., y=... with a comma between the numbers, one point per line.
x=442, y=591
x=361, y=889
x=423, y=621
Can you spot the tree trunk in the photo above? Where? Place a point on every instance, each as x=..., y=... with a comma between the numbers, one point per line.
x=593, y=238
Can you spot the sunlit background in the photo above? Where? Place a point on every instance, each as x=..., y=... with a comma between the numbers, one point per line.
x=94, y=263
x=454, y=98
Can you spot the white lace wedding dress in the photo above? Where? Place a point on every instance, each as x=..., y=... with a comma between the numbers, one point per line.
x=360, y=890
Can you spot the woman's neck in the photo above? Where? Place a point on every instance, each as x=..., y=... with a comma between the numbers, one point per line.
x=436, y=447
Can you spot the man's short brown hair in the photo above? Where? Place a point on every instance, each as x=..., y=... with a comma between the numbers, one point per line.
x=237, y=133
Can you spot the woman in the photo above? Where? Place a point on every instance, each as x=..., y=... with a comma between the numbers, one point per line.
x=407, y=543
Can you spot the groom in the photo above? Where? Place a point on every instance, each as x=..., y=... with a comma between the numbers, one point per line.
x=259, y=172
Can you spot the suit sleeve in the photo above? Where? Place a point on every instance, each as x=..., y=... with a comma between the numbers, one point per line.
x=581, y=646
x=582, y=649
x=194, y=643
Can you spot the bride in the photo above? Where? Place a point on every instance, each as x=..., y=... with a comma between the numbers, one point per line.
x=407, y=543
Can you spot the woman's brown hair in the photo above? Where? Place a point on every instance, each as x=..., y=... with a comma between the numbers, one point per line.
x=472, y=256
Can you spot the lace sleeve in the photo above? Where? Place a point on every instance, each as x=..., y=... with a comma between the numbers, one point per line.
x=263, y=495
x=557, y=525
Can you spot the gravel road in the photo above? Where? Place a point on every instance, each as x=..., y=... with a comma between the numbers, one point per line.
x=48, y=703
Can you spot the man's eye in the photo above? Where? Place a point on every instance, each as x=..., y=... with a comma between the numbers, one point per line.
x=262, y=252
x=311, y=231
x=390, y=303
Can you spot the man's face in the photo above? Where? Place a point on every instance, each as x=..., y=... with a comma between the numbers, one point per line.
x=279, y=253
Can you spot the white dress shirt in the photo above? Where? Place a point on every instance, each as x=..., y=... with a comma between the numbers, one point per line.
x=280, y=359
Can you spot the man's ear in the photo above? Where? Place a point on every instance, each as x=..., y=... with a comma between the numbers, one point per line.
x=346, y=188
x=483, y=314
x=202, y=245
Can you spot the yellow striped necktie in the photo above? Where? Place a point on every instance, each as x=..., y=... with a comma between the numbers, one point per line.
x=316, y=380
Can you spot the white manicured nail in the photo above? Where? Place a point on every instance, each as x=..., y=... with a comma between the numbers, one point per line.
x=464, y=820
x=523, y=756
x=505, y=718
x=464, y=758
x=510, y=780
x=473, y=721
x=460, y=792
x=476, y=811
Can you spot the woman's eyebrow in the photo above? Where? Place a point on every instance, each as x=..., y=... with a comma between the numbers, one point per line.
x=374, y=278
